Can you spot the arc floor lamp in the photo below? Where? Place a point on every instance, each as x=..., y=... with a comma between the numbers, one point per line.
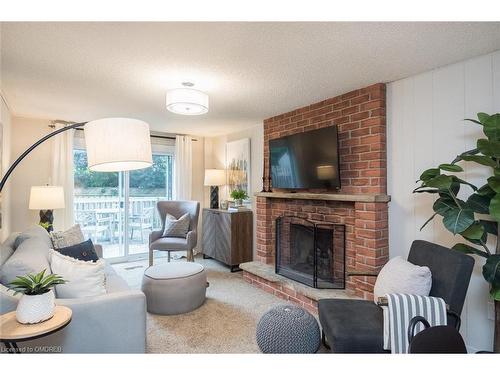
x=113, y=145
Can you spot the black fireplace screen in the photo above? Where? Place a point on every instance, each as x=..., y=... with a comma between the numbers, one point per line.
x=310, y=252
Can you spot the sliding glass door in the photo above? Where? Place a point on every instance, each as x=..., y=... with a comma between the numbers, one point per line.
x=118, y=210
x=145, y=188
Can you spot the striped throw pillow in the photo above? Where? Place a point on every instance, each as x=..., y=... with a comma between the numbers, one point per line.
x=176, y=227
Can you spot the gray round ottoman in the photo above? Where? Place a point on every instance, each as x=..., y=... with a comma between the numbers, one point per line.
x=288, y=329
x=174, y=288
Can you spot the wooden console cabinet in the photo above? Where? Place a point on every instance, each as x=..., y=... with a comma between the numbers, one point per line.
x=227, y=236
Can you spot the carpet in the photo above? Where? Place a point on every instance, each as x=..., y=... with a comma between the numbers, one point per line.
x=225, y=323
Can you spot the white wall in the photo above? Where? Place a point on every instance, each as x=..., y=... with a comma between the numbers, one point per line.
x=426, y=128
x=5, y=120
x=215, y=157
x=35, y=169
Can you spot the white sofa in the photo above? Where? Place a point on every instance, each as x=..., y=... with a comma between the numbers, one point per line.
x=111, y=323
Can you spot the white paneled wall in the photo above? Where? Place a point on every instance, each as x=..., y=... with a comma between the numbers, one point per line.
x=426, y=128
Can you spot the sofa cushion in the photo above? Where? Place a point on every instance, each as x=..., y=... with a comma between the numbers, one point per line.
x=352, y=326
x=7, y=248
x=401, y=276
x=69, y=237
x=34, y=231
x=83, y=251
x=83, y=279
x=31, y=256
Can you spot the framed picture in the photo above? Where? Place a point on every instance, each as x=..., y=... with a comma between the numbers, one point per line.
x=238, y=165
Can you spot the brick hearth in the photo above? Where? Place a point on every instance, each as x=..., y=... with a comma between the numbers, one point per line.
x=360, y=117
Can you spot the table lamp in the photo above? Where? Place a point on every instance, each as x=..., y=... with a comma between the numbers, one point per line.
x=46, y=199
x=214, y=178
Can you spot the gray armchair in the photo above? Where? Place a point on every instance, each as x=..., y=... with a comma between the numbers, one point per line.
x=177, y=209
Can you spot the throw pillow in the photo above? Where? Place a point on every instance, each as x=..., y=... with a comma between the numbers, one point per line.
x=32, y=256
x=401, y=276
x=176, y=227
x=33, y=231
x=84, y=279
x=82, y=251
x=7, y=248
x=69, y=237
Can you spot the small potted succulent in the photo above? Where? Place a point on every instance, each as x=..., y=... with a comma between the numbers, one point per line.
x=238, y=196
x=37, y=303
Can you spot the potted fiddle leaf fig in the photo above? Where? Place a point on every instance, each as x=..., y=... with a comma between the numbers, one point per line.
x=477, y=217
x=37, y=303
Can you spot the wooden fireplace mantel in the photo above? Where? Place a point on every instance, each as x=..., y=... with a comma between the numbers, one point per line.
x=366, y=198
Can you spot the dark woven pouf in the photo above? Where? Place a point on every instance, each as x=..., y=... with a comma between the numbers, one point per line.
x=288, y=329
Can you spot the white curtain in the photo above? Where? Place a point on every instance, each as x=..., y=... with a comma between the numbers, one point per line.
x=62, y=175
x=183, y=167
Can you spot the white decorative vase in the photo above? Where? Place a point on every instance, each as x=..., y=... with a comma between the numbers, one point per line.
x=35, y=309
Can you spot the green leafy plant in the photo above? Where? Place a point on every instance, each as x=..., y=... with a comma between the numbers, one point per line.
x=239, y=194
x=35, y=284
x=477, y=217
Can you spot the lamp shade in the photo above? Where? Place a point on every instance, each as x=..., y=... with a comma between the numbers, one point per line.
x=118, y=144
x=46, y=198
x=187, y=101
x=215, y=177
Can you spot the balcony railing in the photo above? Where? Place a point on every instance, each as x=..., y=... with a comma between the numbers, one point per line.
x=102, y=219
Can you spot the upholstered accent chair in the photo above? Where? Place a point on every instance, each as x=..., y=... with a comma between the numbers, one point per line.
x=176, y=209
x=357, y=326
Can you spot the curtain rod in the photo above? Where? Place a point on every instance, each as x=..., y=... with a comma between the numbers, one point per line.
x=52, y=126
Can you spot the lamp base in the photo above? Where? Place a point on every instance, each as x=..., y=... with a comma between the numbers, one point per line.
x=47, y=219
x=214, y=197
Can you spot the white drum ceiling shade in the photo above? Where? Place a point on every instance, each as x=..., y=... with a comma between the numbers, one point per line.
x=46, y=198
x=186, y=101
x=118, y=144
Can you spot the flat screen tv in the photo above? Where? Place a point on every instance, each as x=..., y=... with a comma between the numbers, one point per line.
x=307, y=160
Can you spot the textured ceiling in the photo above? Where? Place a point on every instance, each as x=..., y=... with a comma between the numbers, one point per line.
x=83, y=71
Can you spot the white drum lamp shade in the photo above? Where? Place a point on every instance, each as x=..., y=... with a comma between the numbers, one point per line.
x=118, y=144
x=215, y=177
x=46, y=198
x=186, y=101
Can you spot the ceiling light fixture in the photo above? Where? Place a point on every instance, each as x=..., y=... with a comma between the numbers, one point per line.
x=187, y=101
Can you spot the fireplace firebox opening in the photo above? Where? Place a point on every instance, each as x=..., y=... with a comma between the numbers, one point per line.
x=312, y=253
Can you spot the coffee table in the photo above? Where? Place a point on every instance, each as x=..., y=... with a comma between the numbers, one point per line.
x=12, y=332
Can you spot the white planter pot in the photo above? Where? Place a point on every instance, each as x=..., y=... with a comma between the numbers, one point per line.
x=35, y=309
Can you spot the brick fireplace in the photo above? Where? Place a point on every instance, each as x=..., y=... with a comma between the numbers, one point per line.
x=360, y=205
